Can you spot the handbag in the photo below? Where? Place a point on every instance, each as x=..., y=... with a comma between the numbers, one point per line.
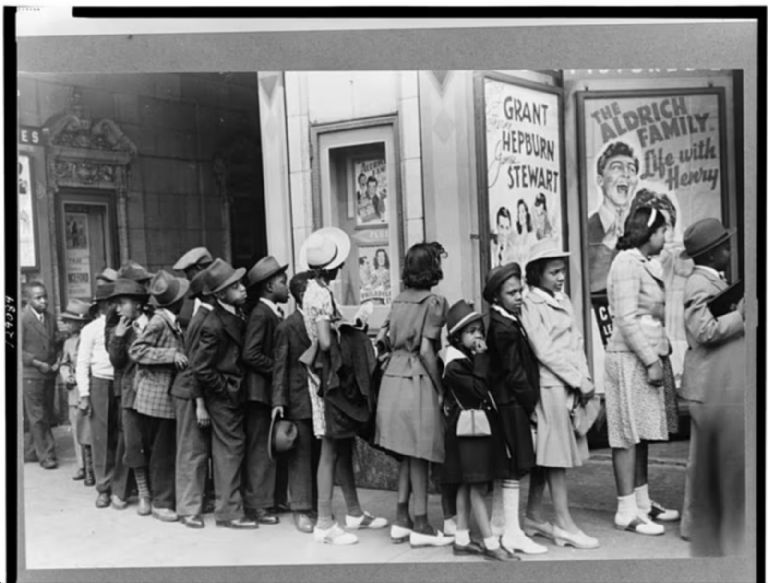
x=472, y=422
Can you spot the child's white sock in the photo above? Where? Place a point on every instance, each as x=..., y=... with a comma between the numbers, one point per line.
x=643, y=499
x=627, y=510
x=491, y=543
x=462, y=537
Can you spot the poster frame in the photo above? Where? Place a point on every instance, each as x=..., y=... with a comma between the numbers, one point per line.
x=484, y=230
x=584, y=173
x=35, y=265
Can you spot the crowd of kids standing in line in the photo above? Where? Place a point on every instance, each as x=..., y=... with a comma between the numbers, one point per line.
x=167, y=373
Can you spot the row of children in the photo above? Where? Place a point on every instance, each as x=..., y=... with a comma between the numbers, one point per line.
x=494, y=408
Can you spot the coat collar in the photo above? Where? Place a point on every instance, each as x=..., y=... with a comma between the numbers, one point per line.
x=169, y=319
x=414, y=296
x=452, y=353
x=32, y=317
x=711, y=275
x=652, y=266
x=539, y=296
x=233, y=324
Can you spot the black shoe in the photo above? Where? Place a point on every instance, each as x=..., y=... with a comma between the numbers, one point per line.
x=280, y=508
x=264, y=516
x=238, y=523
x=103, y=500
x=49, y=464
x=90, y=480
x=209, y=506
x=472, y=548
x=500, y=554
x=193, y=521
x=79, y=474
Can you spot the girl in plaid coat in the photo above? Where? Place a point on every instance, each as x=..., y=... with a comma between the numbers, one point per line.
x=158, y=351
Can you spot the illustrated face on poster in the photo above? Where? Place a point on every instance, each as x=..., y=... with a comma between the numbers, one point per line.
x=375, y=276
x=371, y=204
x=523, y=146
x=78, y=259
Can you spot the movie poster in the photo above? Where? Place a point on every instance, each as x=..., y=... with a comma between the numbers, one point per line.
x=375, y=275
x=641, y=148
x=78, y=260
x=371, y=204
x=27, y=252
x=523, y=153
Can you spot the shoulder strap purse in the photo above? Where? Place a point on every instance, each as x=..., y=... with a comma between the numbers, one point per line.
x=472, y=422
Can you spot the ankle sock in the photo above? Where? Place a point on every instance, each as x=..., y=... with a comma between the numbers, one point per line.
x=491, y=543
x=462, y=537
x=643, y=499
x=627, y=509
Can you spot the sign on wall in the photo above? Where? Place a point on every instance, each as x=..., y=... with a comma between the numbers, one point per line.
x=523, y=155
x=27, y=243
x=662, y=148
x=371, y=204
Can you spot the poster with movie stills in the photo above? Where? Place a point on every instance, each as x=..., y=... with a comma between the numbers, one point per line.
x=371, y=203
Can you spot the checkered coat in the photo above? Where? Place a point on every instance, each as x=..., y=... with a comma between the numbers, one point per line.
x=154, y=351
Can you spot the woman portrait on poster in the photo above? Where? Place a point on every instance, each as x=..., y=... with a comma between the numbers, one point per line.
x=380, y=273
x=522, y=236
x=541, y=217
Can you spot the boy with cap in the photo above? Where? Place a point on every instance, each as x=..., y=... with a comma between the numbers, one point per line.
x=130, y=298
x=290, y=399
x=193, y=439
x=268, y=280
x=39, y=360
x=713, y=383
x=73, y=319
x=94, y=374
x=217, y=367
x=159, y=353
x=191, y=263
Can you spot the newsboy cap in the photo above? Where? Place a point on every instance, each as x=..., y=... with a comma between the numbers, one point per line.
x=195, y=256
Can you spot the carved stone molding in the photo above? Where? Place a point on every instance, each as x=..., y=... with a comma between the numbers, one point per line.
x=86, y=154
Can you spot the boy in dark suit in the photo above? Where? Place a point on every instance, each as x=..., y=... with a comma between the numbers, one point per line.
x=39, y=356
x=268, y=280
x=191, y=263
x=217, y=367
x=290, y=399
x=193, y=439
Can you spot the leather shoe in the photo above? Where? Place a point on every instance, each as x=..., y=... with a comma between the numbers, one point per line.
x=209, y=506
x=264, y=516
x=79, y=474
x=193, y=521
x=145, y=506
x=238, y=523
x=303, y=522
x=500, y=554
x=49, y=464
x=165, y=514
x=473, y=548
x=118, y=503
x=102, y=500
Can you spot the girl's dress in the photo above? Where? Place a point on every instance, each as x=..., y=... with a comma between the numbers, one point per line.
x=317, y=304
x=408, y=414
x=559, y=348
x=635, y=409
x=514, y=383
x=470, y=460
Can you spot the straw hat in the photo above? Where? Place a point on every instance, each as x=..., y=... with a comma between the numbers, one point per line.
x=546, y=249
x=326, y=248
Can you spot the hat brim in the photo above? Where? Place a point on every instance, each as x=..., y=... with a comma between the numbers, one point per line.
x=144, y=297
x=343, y=246
x=465, y=321
x=75, y=317
x=265, y=277
x=236, y=276
x=549, y=255
x=183, y=289
x=722, y=239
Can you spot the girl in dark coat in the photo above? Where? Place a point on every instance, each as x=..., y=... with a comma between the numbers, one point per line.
x=473, y=462
x=514, y=383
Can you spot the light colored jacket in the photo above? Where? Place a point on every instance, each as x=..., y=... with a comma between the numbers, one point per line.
x=636, y=297
x=554, y=338
x=715, y=363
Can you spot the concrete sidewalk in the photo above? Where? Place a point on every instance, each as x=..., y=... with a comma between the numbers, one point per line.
x=65, y=530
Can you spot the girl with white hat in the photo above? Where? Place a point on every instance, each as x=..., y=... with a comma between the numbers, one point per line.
x=324, y=253
x=564, y=379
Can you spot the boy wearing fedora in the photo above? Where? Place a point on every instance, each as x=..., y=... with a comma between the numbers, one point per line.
x=290, y=400
x=39, y=360
x=191, y=263
x=129, y=298
x=193, y=438
x=267, y=278
x=713, y=383
x=218, y=368
x=73, y=319
x=159, y=353
x=95, y=375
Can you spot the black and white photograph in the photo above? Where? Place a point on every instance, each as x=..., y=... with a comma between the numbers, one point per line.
x=370, y=297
